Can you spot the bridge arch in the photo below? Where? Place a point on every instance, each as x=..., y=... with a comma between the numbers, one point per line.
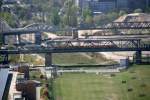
x=41, y=31
x=41, y=27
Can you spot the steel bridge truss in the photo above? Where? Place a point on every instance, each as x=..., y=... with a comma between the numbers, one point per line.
x=127, y=25
x=41, y=27
x=101, y=44
x=81, y=45
x=113, y=25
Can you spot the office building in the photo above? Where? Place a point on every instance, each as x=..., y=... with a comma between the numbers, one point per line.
x=110, y=5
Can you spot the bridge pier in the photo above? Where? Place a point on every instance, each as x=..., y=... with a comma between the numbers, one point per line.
x=38, y=38
x=75, y=33
x=138, y=57
x=19, y=39
x=5, y=59
x=3, y=39
x=48, y=59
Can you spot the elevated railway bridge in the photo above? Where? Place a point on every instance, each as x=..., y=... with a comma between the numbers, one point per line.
x=64, y=45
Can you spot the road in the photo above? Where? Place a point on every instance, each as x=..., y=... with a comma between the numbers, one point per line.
x=12, y=90
x=47, y=71
x=90, y=70
x=101, y=37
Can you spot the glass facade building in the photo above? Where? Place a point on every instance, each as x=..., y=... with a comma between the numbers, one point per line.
x=101, y=6
x=110, y=5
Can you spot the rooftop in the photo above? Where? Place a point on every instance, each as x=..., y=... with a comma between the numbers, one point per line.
x=3, y=80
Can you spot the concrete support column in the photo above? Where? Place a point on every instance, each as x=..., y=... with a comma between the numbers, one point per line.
x=38, y=38
x=3, y=39
x=48, y=59
x=5, y=59
x=138, y=57
x=75, y=33
x=19, y=39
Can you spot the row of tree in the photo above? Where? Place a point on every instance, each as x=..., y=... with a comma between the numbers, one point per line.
x=66, y=13
x=63, y=13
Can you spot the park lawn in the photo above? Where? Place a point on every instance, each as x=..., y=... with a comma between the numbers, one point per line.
x=71, y=59
x=83, y=86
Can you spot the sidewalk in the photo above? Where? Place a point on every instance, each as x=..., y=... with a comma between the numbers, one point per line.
x=12, y=89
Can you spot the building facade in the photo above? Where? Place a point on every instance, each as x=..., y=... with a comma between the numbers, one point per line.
x=122, y=4
x=102, y=5
x=110, y=5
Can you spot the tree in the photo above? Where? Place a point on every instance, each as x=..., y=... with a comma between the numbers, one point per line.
x=89, y=19
x=1, y=3
x=138, y=10
x=148, y=9
x=97, y=19
x=86, y=13
x=122, y=12
x=55, y=18
x=8, y=18
x=111, y=16
x=23, y=13
x=105, y=18
x=70, y=13
x=65, y=20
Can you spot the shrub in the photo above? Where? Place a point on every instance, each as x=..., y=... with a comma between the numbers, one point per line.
x=143, y=85
x=112, y=75
x=130, y=89
x=133, y=78
x=142, y=95
x=34, y=76
x=45, y=92
x=41, y=76
x=138, y=10
x=123, y=81
x=46, y=85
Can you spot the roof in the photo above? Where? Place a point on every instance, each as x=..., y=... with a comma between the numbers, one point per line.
x=3, y=80
x=134, y=17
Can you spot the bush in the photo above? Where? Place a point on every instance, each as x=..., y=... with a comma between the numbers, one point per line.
x=34, y=76
x=142, y=95
x=46, y=85
x=41, y=76
x=130, y=89
x=45, y=92
x=133, y=78
x=112, y=75
x=143, y=85
x=132, y=71
x=138, y=10
x=123, y=81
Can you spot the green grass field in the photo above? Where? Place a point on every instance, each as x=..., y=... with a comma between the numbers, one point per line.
x=72, y=58
x=79, y=58
x=82, y=86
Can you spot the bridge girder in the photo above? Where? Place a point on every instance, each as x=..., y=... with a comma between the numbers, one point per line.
x=41, y=27
x=94, y=43
x=83, y=45
x=128, y=25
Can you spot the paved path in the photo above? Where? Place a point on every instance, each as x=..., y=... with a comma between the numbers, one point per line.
x=12, y=89
x=47, y=72
x=3, y=80
x=91, y=70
